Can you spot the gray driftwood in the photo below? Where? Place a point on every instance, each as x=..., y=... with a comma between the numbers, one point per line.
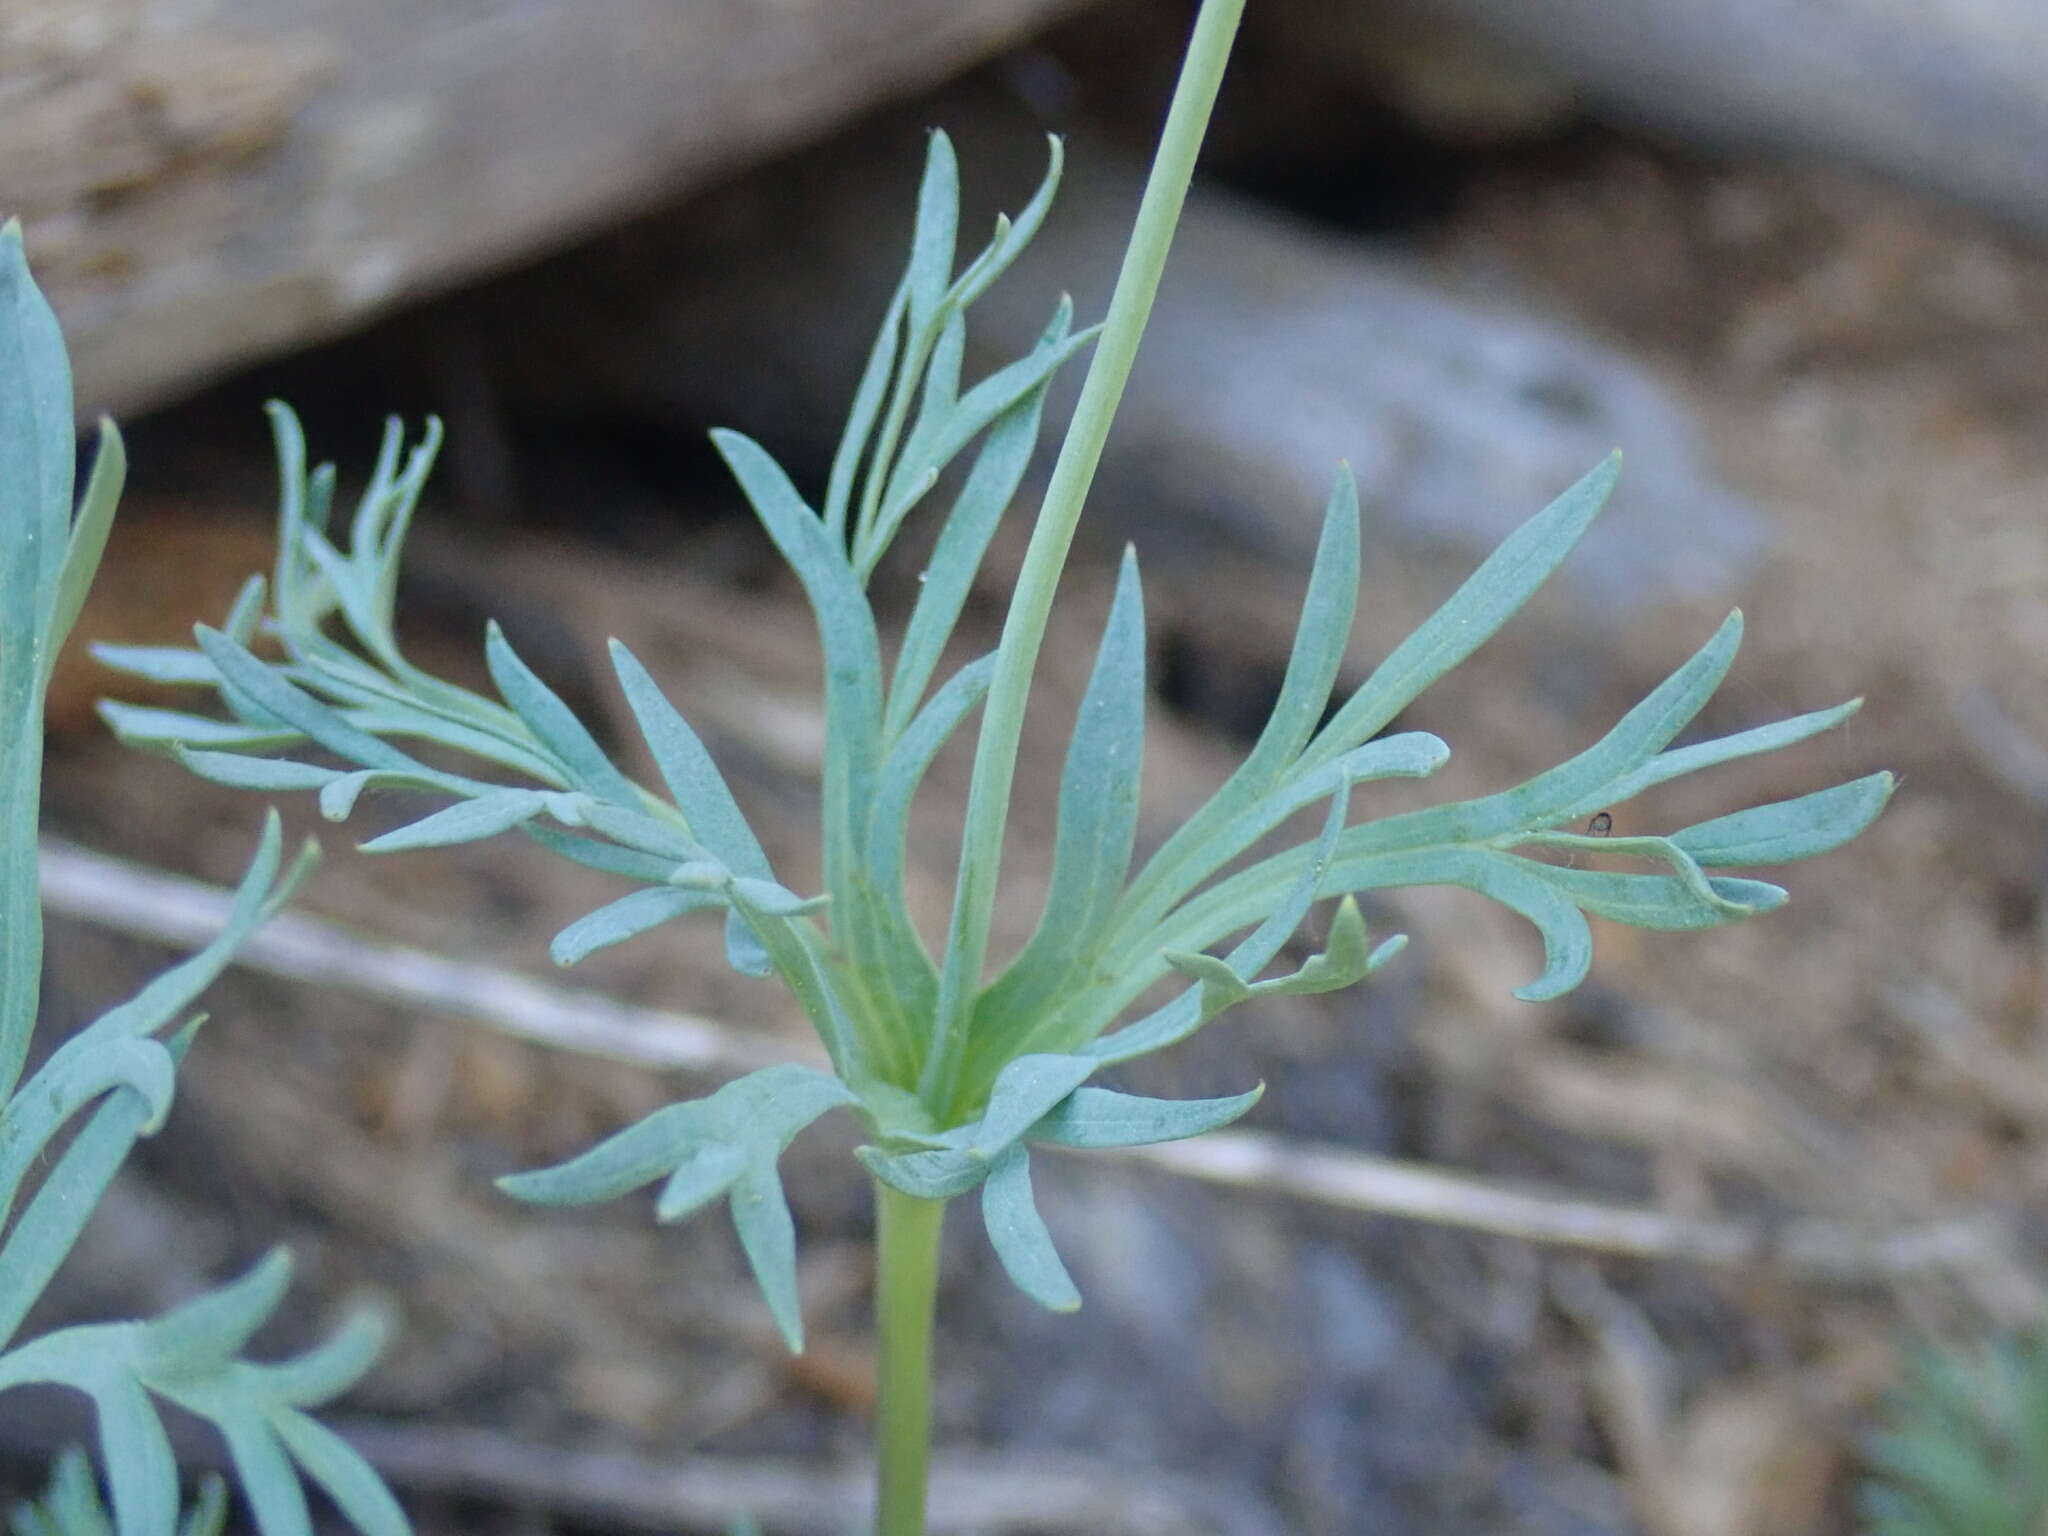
x=1275, y=352
x=1947, y=96
x=207, y=185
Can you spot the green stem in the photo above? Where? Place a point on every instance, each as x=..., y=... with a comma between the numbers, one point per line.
x=995, y=758
x=906, y=1284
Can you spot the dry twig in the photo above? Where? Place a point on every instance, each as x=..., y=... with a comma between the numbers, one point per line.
x=985, y=1495
x=170, y=909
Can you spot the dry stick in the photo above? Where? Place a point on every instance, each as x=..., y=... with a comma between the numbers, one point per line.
x=972, y=1494
x=982, y=1495
x=170, y=909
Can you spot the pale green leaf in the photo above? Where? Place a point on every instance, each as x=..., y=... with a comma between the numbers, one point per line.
x=626, y=918
x=553, y=723
x=903, y=770
x=649, y=868
x=693, y=779
x=272, y=775
x=1488, y=599
x=88, y=541
x=963, y=540
x=467, y=821
x=50, y=1223
x=206, y=1332
x=938, y=222
x=1012, y=238
x=636, y=1156
x=933, y=1175
x=1517, y=884
x=1025, y=1092
x=272, y=692
x=706, y=1172
x=1788, y=829
x=760, y=1214
x=35, y=514
x=744, y=950
x=209, y=1513
x=137, y=725
x=174, y=665
x=1019, y=1236
x=340, y=1470
x=846, y=628
x=169, y=994
x=1678, y=761
x=265, y=1473
x=1100, y=1117
x=1312, y=668
x=330, y=1368
x=728, y=1142
x=1098, y=814
x=861, y=417
x=1275, y=923
x=768, y=899
x=142, y=1474
x=71, y=1079
x=1662, y=901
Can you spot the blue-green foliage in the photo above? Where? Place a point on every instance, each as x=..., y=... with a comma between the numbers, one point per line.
x=1203, y=909
x=71, y=1504
x=1963, y=1445
x=66, y=1129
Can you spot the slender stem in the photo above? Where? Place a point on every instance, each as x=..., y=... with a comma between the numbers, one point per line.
x=995, y=758
x=906, y=1284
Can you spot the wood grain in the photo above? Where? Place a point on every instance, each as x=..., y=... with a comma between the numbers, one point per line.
x=205, y=186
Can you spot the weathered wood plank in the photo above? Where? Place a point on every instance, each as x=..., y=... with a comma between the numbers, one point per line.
x=1942, y=96
x=204, y=186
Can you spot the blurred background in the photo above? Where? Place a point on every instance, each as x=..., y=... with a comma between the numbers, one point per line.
x=1790, y=258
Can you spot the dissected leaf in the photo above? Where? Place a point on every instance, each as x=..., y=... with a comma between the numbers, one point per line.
x=1312, y=667
x=190, y=1357
x=1276, y=922
x=725, y=1144
x=1506, y=580
x=268, y=688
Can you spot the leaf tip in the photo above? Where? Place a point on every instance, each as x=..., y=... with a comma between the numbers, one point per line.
x=516, y=1186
